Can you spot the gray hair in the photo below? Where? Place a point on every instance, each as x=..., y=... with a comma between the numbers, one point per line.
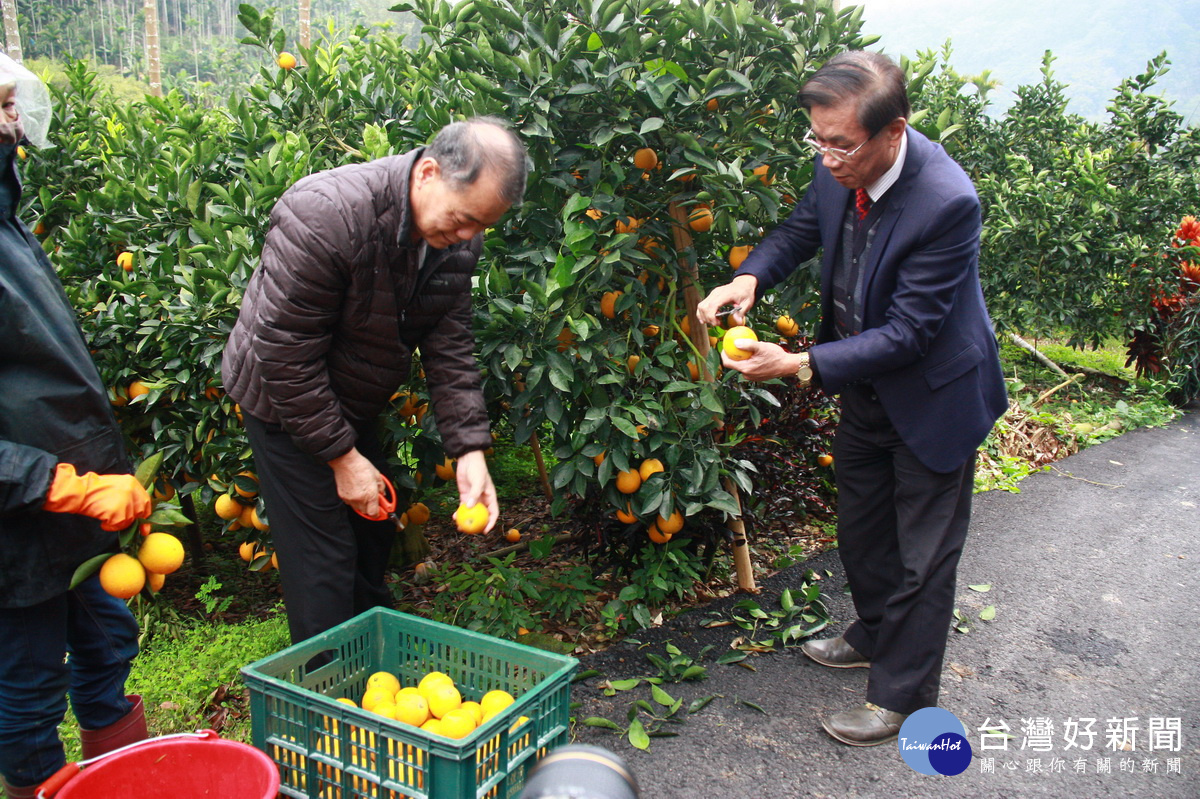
x=870, y=79
x=463, y=154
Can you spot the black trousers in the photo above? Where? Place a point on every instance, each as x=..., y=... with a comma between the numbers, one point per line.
x=331, y=560
x=901, y=529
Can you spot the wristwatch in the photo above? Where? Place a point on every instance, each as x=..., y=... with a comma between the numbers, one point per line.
x=804, y=372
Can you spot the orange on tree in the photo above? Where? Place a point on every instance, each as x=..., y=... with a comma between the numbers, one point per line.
x=418, y=513
x=738, y=254
x=734, y=335
x=623, y=226
x=649, y=331
x=825, y=460
x=155, y=581
x=599, y=457
x=625, y=515
x=247, y=477
x=286, y=60
x=608, y=303
x=763, y=173
x=700, y=219
x=632, y=361
x=161, y=553
x=645, y=158
x=123, y=576
x=650, y=467
x=670, y=525
x=566, y=337
x=693, y=370
x=445, y=469
x=471, y=520
x=628, y=482
x=246, y=550
x=656, y=535
x=125, y=261
x=713, y=104
x=787, y=326
x=256, y=522
x=227, y=508
x=595, y=214
x=137, y=389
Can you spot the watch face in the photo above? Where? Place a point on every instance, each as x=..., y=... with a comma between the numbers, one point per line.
x=804, y=373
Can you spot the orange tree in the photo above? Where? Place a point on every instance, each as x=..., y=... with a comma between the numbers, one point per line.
x=631, y=109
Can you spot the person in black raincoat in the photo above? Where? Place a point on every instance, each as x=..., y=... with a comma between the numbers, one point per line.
x=65, y=488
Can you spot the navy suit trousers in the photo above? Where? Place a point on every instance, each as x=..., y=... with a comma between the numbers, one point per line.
x=901, y=528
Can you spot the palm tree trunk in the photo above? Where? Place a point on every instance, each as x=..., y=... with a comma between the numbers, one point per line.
x=153, y=59
x=12, y=34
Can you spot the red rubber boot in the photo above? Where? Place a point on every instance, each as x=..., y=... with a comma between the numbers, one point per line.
x=130, y=729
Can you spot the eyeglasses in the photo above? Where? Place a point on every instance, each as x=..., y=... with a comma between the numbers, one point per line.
x=836, y=153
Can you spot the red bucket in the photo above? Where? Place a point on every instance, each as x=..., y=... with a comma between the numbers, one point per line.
x=185, y=766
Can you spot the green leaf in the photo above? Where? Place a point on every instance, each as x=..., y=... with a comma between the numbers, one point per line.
x=147, y=470
x=699, y=704
x=753, y=706
x=637, y=735
x=650, y=125
x=625, y=685
x=988, y=613
x=661, y=696
x=983, y=589
x=732, y=656
x=598, y=721
x=87, y=569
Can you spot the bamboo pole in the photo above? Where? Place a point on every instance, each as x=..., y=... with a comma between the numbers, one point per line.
x=698, y=333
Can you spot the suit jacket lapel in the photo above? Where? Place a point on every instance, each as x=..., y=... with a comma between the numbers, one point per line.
x=897, y=198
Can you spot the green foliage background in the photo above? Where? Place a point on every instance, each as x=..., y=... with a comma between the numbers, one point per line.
x=1070, y=206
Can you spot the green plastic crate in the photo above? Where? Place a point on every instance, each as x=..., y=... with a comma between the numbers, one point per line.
x=328, y=749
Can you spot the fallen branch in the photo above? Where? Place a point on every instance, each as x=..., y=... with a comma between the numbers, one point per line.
x=1037, y=356
x=1045, y=395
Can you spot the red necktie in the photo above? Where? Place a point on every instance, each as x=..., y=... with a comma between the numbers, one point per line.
x=862, y=202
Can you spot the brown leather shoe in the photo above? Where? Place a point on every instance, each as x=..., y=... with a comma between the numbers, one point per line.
x=835, y=653
x=869, y=725
x=13, y=792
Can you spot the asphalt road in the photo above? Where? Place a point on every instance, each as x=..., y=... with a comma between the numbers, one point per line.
x=1094, y=580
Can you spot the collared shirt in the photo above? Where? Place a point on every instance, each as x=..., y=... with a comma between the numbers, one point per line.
x=885, y=181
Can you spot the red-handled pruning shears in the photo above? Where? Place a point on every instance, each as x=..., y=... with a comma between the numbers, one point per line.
x=387, y=505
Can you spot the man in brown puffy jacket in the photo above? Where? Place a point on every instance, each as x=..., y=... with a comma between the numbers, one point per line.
x=363, y=264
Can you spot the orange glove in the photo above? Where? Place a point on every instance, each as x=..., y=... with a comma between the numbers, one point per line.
x=117, y=500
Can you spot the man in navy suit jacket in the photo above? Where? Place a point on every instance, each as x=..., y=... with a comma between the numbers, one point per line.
x=906, y=340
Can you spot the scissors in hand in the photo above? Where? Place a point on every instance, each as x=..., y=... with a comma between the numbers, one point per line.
x=387, y=505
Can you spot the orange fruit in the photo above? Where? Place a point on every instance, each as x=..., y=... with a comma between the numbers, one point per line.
x=712, y=105
x=411, y=708
x=122, y=576
x=738, y=254
x=657, y=536
x=374, y=697
x=649, y=467
x=700, y=219
x=459, y=723
x=632, y=362
x=567, y=336
x=384, y=679
x=445, y=469
x=250, y=477
x=137, y=389
x=670, y=525
x=628, y=224
x=471, y=520
x=156, y=582
x=256, y=522
x=594, y=214
x=161, y=553
x=442, y=698
x=650, y=331
x=645, y=158
x=693, y=370
x=286, y=60
x=763, y=173
x=598, y=459
x=418, y=513
x=733, y=335
x=825, y=460
x=512, y=536
x=246, y=551
x=431, y=679
x=40, y=228
x=125, y=261
x=628, y=482
x=608, y=303
x=626, y=516
x=787, y=326
x=495, y=701
x=227, y=508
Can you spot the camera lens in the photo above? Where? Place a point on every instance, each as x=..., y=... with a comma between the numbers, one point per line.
x=580, y=771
